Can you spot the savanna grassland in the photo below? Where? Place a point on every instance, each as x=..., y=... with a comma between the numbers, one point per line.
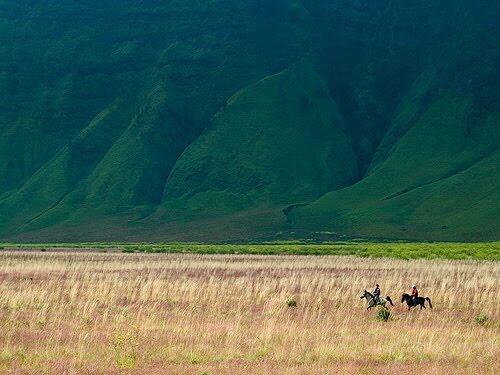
x=105, y=313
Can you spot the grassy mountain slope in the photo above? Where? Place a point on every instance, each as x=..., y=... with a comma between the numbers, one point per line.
x=234, y=119
x=278, y=141
x=464, y=205
x=436, y=172
x=152, y=62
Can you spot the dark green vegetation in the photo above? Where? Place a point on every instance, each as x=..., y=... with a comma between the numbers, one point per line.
x=400, y=250
x=481, y=319
x=383, y=314
x=249, y=119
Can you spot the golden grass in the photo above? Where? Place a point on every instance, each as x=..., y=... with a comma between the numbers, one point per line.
x=94, y=313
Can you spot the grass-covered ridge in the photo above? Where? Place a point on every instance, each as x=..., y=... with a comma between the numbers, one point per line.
x=398, y=250
x=210, y=121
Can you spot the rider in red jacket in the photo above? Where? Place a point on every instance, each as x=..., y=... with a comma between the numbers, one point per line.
x=414, y=292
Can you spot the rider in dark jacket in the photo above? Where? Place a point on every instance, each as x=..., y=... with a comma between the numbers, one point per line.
x=376, y=293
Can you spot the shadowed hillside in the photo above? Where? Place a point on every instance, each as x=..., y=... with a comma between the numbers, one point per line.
x=237, y=120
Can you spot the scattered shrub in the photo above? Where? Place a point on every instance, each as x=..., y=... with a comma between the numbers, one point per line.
x=125, y=347
x=291, y=303
x=195, y=358
x=383, y=314
x=481, y=319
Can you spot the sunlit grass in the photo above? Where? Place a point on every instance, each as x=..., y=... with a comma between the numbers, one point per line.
x=231, y=314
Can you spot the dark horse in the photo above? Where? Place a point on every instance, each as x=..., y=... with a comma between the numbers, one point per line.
x=412, y=302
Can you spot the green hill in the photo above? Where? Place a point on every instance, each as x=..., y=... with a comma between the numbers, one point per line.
x=237, y=120
x=278, y=141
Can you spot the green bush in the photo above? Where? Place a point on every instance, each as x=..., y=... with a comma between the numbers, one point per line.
x=291, y=303
x=383, y=314
x=481, y=319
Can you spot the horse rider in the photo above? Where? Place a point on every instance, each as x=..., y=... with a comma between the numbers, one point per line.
x=376, y=293
x=414, y=292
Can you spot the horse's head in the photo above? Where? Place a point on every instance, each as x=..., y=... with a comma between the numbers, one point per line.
x=405, y=297
x=363, y=295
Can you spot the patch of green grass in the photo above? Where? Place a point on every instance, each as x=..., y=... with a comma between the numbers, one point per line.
x=394, y=356
x=481, y=319
x=399, y=250
x=125, y=348
x=195, y=358
x=262, y=352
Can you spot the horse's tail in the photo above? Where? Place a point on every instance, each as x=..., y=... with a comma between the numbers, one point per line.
x=429, y=300
x=390, y=300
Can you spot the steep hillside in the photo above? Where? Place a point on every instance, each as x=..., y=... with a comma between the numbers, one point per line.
x=249, y=119
x=278, y=141
x=436, y=172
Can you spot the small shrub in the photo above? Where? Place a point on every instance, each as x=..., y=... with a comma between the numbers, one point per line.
x=125, y=347
x=481, y=319
x=21, y=356
x=194, y=358
x=383, y=314
x=291, y=303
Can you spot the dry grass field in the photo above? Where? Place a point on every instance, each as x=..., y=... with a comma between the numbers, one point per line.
x=113, y=313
